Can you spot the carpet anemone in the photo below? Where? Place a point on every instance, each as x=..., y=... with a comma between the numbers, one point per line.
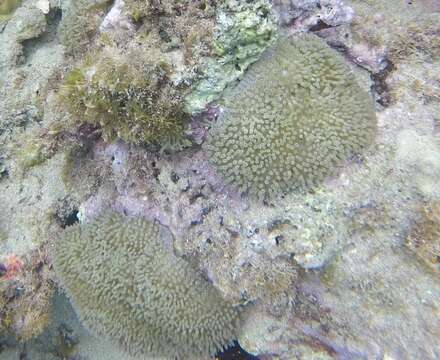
x=128, y=287
x=294, y=118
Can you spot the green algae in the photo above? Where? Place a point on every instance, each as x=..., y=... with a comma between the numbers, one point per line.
x=127, y=99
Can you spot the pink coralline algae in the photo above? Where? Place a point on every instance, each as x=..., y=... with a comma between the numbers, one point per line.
x=12, y=266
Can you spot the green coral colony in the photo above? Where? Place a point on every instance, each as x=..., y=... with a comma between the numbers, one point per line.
x=125, y=285
x=295, y=116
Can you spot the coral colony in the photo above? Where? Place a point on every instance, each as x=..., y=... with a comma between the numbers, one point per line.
x=127, y=287
x=296, y=115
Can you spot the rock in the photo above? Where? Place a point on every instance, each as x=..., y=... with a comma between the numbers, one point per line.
x=44, y=6
x=116, y=21
x=28, y=22
x=304, y=14
x=422, y=154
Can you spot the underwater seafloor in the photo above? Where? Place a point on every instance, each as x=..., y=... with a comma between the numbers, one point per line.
x=107, y=106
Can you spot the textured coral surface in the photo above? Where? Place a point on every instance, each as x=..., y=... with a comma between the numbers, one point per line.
x=296, y=115
x=127, y=287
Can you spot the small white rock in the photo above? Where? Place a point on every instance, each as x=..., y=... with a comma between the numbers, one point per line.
x=116, y=20
x=44, y=6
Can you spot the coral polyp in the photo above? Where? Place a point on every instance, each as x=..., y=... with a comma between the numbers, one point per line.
x=297, y=114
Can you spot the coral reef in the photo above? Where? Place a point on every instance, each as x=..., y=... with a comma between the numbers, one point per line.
x=117, y=22
x=186, y=26
x=257, y=253
x=79, y=165
x=139, y=10
x=424, y=237
x=134, y=101
x=25, y=23
x=326, y=270
x=127, y=286
x=66, y=338
x=297, y=115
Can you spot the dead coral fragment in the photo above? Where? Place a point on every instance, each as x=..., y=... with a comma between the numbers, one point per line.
x=243, y=30
x=296, y=115
x=126, y=286
x=424, y=238
x=127, y=99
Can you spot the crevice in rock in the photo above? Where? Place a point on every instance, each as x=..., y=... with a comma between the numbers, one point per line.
x=320, y=25
x=66, y=215
x=69, y=219
x=235, y=352
x=380, y=87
